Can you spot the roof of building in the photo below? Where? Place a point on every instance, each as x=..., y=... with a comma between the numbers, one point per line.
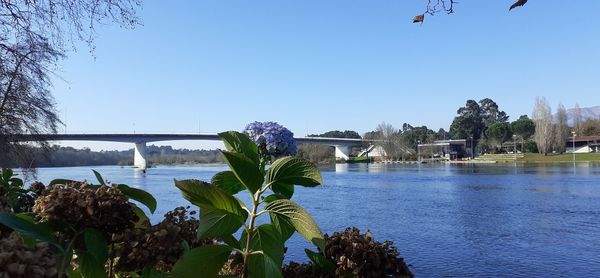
x=584, y=138
x=445, y=143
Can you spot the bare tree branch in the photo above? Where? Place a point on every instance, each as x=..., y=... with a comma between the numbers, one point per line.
x=447, y=6
x=34, y=37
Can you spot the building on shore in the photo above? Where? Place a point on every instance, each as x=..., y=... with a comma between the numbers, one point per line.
x=445, y=150
x=583, y=144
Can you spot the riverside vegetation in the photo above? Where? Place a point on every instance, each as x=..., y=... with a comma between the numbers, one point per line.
x=78, y=229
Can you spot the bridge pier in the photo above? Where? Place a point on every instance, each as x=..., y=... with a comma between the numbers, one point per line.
x=139, y=155
x=342, y=152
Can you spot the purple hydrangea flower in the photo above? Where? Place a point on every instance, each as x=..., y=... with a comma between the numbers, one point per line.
x=276, y=139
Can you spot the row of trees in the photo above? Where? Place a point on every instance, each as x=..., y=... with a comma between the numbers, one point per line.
x=401, y=144
x=552, y=130
x=489, y=127
x=57, y=156
x=547, y=133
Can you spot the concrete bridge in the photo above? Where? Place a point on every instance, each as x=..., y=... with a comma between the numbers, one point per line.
x=342, y=145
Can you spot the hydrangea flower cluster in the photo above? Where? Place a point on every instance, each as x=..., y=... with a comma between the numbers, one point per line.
x=275, y=138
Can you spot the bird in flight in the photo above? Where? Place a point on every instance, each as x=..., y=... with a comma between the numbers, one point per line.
x=519, y=3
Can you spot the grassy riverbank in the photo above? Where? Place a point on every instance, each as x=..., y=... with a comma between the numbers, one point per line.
x=539, y=158
x=579, y=157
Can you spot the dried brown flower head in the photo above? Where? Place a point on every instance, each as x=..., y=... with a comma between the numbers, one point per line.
x=17, y=260
x=233, y=266
x=83, y=206
x=359, y=255
x=354, y=255
x=161, y=245
x=306, y=270
x=37, y=188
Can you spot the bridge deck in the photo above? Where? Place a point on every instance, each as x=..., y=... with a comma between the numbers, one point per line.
x=154, y=137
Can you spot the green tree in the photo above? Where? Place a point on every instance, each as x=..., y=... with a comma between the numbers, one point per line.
x=338, y=134
x=498, y=133
x=469, y=122
x=474, y=117
x=523, y=127
x=442, y=134
x=413, y=135
x=490, y=113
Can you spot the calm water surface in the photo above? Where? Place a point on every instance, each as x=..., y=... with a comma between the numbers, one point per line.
x=446, y=220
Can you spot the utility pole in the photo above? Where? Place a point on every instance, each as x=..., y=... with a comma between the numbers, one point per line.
x=472, y=148
x=419, y=150
x=515, y=146
x=574, y=134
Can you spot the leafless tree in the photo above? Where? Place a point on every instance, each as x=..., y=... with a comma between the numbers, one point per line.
x=34, y=37
x=542, y=117
x=386, y=133
x=392, y=142
x=561, y=129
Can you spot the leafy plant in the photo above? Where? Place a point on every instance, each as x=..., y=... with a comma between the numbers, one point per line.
x=80, y=222
x=259, y=247
x=13, y=197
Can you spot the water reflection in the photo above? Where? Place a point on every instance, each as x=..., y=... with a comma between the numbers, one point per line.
x=447, y=220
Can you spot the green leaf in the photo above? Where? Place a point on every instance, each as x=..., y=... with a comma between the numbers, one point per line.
x=99, y=177
x=143, y=219
x=282, y=225
x=96, y=244
x=139, y=195
x=320, y=262
x=273, y=197
x=268, y=240
x=151, y=273
x=16, y=182
x=231, y=241
x=217, y=223
x=90, y=266
x=284, y=189
x=207, y=196
x=186, y=246
x=299, y=219
x=7, y=173
x=73, y=273
x=227, y=181
x=240, y=143
x=29, y=229
x=260, y=265
x=221, y=213
x=246, y=170
x=64, y=259
x=293, y=170
x=205, y=261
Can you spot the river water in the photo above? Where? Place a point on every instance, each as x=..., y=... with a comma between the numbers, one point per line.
x=446, y=220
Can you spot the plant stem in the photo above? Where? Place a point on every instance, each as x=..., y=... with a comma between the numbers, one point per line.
x=246, y=253
x=66, y=260
x=111, y=260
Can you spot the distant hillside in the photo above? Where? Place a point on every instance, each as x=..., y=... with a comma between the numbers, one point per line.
x=586, y=113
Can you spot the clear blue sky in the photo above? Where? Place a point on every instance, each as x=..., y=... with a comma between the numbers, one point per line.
x=318, y=65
